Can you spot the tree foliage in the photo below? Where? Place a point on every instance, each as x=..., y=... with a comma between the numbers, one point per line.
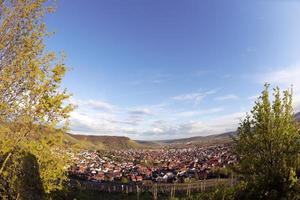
x=33, y=108
x=268, y=147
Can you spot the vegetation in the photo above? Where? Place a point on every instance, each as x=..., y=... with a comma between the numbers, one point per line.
x=34, y=113
x=33, y=108
x=104, y=142
x=268, y=149
x=119, y=142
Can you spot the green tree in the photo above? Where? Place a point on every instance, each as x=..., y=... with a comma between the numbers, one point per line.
x=268, y=148
x=33, y=107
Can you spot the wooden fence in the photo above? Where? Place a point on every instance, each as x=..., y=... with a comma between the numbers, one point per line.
x=172, y=189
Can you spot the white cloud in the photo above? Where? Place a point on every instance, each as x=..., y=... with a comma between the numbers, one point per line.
x=284, y=76
x=93, y=104
x=154, y=78
x=219, y=124
x=297, y=103
x=253, y=98
x=201, y=72
x=190, y=96
x=193, y=113
x=94, y=117
x=162, y=129
x=195, y=97
x=147, y=122
x=92, y=123
x=226, y=76
x=102, y=124
x=100, y=105
x=227, y=97
x=140, y=111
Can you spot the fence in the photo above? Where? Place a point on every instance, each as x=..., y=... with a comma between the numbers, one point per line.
x=171, y=189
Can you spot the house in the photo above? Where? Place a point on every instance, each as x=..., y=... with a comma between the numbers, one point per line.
x=133, y=178
x=139, y=178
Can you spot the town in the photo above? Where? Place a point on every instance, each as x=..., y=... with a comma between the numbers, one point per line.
x=165, y=165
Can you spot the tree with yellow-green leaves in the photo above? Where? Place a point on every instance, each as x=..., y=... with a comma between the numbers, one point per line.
x=268, y=149
x=33, y=107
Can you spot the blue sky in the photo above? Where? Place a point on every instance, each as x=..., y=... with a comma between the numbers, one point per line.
x=153, y=69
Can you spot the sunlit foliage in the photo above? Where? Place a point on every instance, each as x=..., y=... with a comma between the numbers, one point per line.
x=268, y=148
x=33, y=107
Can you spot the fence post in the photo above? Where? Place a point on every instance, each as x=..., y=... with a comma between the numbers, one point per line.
x=138, y=192
x=155, y=192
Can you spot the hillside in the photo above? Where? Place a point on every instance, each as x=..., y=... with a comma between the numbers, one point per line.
x=297, y=116
x=219, y=138
x=120, y=142
x=103, y=142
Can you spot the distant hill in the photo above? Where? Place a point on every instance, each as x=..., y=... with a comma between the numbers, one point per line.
x=297, y=116
x=219, y=138
x=120, y=142
x=150, y=144
x=103, y=142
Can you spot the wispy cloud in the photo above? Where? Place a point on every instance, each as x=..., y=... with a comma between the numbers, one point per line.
x=194, y=97
x=161, y=77
x=162, y=129
x=194, y=113
x=201, y=72
x=94, y=104
x=297, y=102
x=190, y=97
x=148, y=122
x=253, y=97
x=140, y=111
x=227, y=97
x=153, y=78
x=100, y=105
x=95, y=117
x=285, y=76
x=92, y=123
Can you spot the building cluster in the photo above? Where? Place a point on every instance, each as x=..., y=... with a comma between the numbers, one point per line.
x=160, y=165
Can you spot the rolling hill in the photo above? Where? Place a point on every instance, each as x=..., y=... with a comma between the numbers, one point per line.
x=219, y=138
x=120, y=142
x=297, y=116
x=103, y=142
